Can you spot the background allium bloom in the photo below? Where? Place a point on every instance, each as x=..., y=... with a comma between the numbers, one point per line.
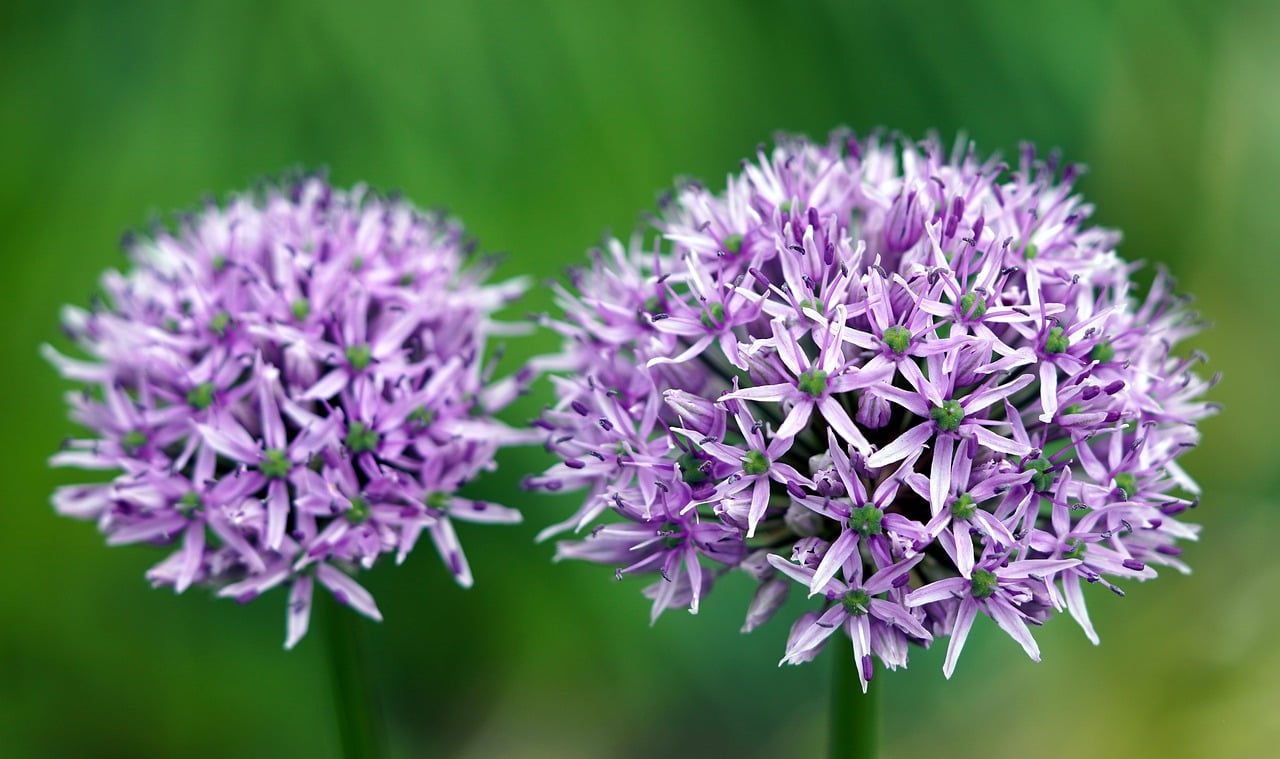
x=290, y=386
x=918, y=387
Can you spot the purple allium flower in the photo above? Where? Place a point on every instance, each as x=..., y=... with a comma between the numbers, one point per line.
x=920, y=386
x=289, y=386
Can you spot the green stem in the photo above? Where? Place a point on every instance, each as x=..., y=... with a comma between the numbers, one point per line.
x=353, y=693
x=855, y=716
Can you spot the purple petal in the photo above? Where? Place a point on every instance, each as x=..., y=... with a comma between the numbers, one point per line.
x=446, y=541
x=1011, y=622
x=940, y=473
x=983, y=398
x=788, y=349
x=909, y=442
x=231, y=440
x=839, y=420
x=959, y=634
x=298, y=612
x=841, y=549
x=996, y=442
x=1074, y=596
x=1039, y=567
x=796, y=419
x=1048, y=391
x=482, y=512
x=816, y=633
x=904, y=398
x=255, y=585
x=277, y=513
x=328, y=386
x=884, y=579
x=165, y=528
x=759, y=502
x=801, y=574
x=347, y=591
x=899, y=617
x=692, y=351
x=192, y=556
x=778, y=392
x=938, y=590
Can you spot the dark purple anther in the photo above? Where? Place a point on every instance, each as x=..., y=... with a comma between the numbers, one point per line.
x=957, y=212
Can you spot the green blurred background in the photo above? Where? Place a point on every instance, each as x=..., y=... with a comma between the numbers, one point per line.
x=542, y=124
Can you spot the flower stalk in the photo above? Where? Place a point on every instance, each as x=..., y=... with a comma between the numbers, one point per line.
x=354, y=696
x=854, y=729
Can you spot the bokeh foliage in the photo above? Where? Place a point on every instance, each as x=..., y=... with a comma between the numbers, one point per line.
x=542, y=124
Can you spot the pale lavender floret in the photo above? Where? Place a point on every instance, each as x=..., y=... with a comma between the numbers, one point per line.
x=872, y=359
x=291, y=385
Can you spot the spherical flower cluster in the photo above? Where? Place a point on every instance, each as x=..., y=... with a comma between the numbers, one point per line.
x=289, y=386
x=918, y=385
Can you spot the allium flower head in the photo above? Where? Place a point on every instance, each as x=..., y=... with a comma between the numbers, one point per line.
x=288, y=387
x=920, y=387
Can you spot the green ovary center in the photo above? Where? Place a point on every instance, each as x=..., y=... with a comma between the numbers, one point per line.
x=813, y=383
x=898, y=339
x=866, y=519
x=963, y=507
x=359, y=356
x=983, y=584
x=755, y=462
x=275, y=464
x=948, y=416
x=971, y=306
x=359, y=511
x=1056, y=341
x=361, y=438
x=856, y=602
